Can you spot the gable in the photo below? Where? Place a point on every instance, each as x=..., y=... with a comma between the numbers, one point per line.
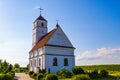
x=59, y=39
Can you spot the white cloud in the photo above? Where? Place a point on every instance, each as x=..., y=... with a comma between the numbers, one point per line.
x=100, y=56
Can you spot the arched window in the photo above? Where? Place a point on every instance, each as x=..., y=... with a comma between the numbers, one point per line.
x=55, y=61
x=31, y=63
x=35, y=62
x=42, y=24
x=65, y=62
x=39, y=61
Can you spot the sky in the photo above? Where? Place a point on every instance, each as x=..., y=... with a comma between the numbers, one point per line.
x=93, y=27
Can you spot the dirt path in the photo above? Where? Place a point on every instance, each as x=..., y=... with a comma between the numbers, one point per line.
x=22, y=76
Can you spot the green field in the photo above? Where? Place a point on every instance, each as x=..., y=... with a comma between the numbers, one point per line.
x=114, y=70
x=101, y=67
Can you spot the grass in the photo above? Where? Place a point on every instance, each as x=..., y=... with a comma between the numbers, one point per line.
x=105, y=78
x=114, y=71
x=101, y=67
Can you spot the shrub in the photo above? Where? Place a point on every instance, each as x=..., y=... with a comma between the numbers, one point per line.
x=39, y=76
x=94, y=76
x=43, y=71
x=95, y=72
x=1, y=76
x=17, y=70
x=103, y=73
x=64, y=73
x=12, y=73
x=34, y=75
x=81, y=77
x=58, y=72
x=6, y=77
x=31, y=72
x=51, y=77
x=21, y=70
x=77, y=70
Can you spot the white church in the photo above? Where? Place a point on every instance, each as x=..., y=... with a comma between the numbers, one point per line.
x=50, y=50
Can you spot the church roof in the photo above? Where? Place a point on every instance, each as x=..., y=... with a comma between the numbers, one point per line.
x=44, y=40
x=41, y=18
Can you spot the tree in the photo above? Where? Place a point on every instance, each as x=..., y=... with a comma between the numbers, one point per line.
x=5, y=66
x=27, y=66
x=16, y=65
x=10, y=67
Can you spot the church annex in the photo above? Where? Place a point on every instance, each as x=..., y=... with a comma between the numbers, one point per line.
x=50, y=50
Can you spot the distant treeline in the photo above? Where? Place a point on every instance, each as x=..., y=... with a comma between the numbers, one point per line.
x=101, y=67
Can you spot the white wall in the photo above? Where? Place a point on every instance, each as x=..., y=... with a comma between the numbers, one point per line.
x=59, y=38
x=59, y=50
x=49, y=63
x=35, y=55
x=60, y=54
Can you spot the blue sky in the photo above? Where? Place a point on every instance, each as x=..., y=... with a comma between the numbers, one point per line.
x=93, y=27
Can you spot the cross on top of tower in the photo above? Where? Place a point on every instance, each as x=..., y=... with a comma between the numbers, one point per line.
x=40, y=10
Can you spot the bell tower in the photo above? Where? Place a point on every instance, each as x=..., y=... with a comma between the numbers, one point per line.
x=39, y=29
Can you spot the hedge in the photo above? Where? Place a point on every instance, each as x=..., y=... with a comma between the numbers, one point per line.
x=6, y=77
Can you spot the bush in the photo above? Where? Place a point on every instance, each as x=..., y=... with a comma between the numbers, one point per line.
x=31, y=72
x=81, y=77
x=17, y=70
x=94, y=76
x=77, y=70
x=95, y=72
x=43, y=71
x=103, y=73
x=1, y=76
x=34, y=75
x=39, y=76
x=51, y=77
x=12, y=73
x=58, y=73
x=64, y=73
x=6, y=77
